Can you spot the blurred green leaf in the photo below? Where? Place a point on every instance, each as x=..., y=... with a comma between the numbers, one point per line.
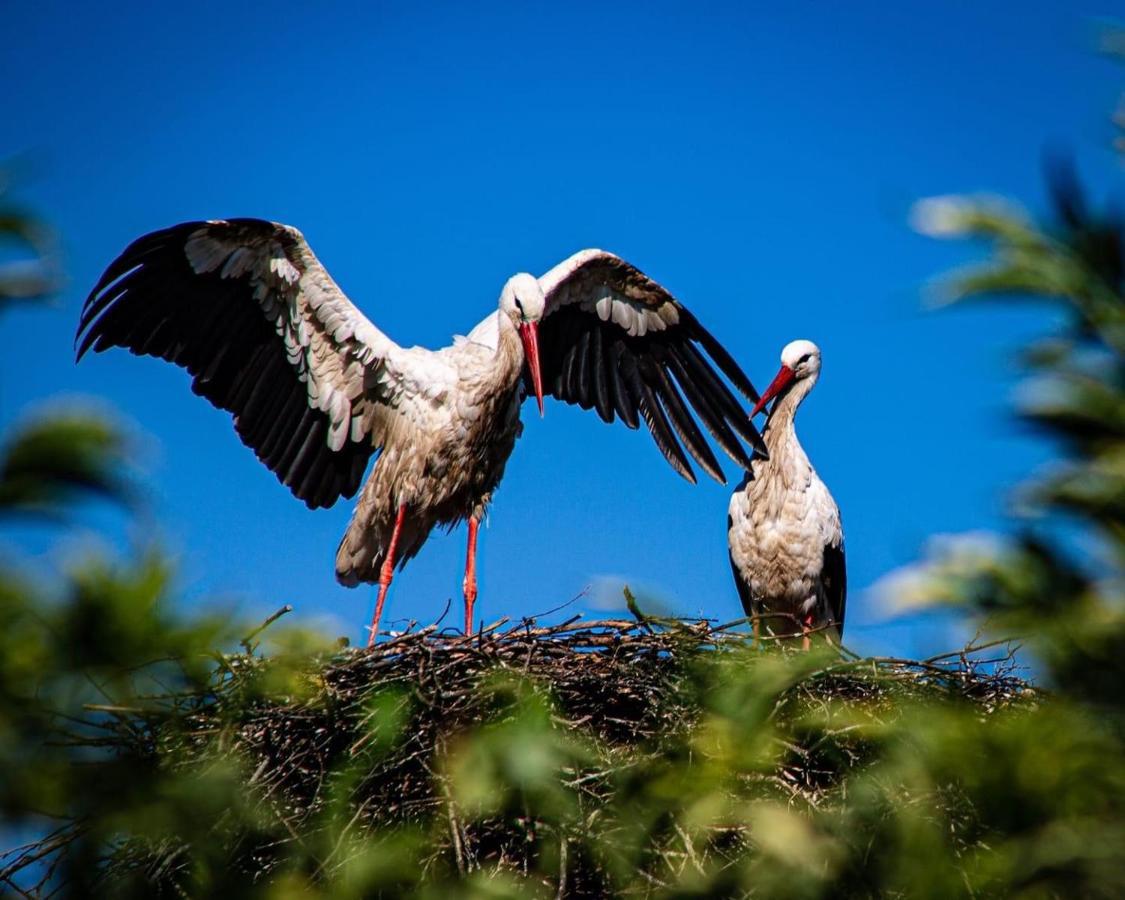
x=51, y=462
x=34, y=277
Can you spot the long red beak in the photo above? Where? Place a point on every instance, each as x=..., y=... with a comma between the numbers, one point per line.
x=780, y=382
x=529, y=332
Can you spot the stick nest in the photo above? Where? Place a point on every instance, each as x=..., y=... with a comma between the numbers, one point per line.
x=624, y=688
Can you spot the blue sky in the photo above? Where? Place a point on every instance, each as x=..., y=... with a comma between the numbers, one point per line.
x=758, y=162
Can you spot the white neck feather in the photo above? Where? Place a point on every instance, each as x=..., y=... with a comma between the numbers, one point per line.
x=780, y=433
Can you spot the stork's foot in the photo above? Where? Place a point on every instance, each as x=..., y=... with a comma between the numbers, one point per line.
x=806, y=643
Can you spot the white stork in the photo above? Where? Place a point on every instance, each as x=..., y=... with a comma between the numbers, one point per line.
x=783, y=527
x=316, y=389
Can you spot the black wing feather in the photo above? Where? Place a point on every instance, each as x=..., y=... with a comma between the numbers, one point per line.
x=682, y=421
x=152, y=302
x=712, y=419
x=600, y=374
x=655, y=419
x=582, y=370
x=595, y=363
x=622, y=398
x=834, y=577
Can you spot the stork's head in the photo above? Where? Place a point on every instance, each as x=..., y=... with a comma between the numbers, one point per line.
x=523, y=303
x=800, y=363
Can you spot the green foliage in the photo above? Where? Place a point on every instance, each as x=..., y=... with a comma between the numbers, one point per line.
x=31, y=275
x=1065, y=602
x=49, y=463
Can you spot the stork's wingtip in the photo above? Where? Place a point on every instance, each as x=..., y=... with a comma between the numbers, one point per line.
x=83, y=341
x=715, y=473
x=685, y=472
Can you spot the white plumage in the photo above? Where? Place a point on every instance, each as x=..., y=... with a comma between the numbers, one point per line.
x=316, y=389
x=784, y=533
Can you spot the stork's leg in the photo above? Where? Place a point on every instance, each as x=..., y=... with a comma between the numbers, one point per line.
x=470, y=583
x=386, y=575
x=806, y=644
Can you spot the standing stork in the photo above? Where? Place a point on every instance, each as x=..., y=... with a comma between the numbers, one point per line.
x=783, y=527
x=316, y=389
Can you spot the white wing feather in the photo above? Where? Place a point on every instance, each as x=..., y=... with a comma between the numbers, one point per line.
x=608, y=286
x=353, y=371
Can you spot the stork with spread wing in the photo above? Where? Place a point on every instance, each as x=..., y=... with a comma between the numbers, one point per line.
x=316, y=389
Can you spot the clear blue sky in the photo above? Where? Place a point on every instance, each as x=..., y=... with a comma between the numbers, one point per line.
x=757, y=161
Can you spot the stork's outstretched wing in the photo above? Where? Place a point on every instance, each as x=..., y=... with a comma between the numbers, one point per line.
x=250, y=312
x=614, y=340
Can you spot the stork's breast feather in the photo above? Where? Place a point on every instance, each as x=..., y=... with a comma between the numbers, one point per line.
x=780, y=523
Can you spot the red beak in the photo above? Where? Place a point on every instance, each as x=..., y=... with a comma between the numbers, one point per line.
x=529, y=332
x=780, y=382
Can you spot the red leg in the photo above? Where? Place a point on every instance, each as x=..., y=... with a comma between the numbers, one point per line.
x=386, y=575
x=806, y=643
x=470, y=583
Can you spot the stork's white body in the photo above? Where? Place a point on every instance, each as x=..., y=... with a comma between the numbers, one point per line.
x=444, y=455
x=784, y=533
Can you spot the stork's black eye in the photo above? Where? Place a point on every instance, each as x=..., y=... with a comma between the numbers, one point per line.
x=804, y=359
x=519, y=306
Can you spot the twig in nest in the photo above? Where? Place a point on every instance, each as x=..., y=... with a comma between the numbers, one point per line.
x=245, y=642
